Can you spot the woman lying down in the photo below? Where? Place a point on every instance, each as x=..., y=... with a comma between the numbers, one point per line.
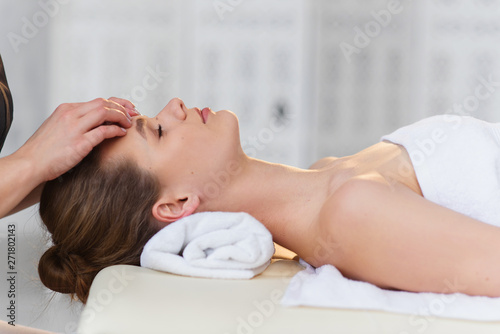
x=411, y=212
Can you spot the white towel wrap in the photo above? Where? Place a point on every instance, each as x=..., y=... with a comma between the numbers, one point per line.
x=457, y=163
x=232, y=245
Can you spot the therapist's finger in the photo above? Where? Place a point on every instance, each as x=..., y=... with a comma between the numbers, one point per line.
x=129, y=112
x=123, y=102
x=82, y=108
x=102, y=114
x=129, y=106
x=102, y=132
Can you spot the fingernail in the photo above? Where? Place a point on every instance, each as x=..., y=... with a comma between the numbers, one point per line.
x=123, y=129
x=137, y=111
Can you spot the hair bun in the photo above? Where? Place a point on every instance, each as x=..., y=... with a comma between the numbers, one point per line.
x=55, y=273
x=63, y=272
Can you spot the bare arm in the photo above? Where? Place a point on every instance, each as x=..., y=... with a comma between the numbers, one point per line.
x=395, y=238
x=16, y=183
x=5, y=328
x=62, y=141
x=31, y=199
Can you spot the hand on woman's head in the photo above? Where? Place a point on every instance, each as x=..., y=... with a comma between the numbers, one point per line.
x=108, y=206
x=71, y=132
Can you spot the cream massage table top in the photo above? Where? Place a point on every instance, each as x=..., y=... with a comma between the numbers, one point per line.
x=135, y=300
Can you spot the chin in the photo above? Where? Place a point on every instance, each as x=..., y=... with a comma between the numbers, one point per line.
x=228, y=113
x=231, y=127
x=230, y=120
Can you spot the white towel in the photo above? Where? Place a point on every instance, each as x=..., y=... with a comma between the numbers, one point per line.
x=326, y=287
x=457, y=163
x=211, y=244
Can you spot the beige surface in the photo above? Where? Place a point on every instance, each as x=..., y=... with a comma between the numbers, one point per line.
x=128, y=299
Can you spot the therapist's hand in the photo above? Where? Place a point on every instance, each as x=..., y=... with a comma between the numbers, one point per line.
x=71, y=132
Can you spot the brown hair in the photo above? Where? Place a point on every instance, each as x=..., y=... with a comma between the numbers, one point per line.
x=98, y=215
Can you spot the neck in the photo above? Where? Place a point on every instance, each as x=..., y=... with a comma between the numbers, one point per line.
x=285, y=199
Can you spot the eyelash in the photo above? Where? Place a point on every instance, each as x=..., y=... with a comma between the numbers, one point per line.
x=160, y=131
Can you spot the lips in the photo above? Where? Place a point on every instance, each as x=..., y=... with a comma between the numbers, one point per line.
x=204, y=114
x=199, y=113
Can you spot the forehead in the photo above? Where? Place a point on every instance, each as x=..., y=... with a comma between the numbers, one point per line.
x=131, y=146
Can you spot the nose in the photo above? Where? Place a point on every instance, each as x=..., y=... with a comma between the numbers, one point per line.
x=175, y=108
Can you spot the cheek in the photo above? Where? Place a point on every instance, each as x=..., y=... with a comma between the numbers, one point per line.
x=182, y=153
x=199, y=151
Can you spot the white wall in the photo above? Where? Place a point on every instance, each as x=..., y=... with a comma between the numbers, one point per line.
x=252, y=60
x=280, y=65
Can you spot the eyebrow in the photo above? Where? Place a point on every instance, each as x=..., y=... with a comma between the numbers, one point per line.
x=140, y=127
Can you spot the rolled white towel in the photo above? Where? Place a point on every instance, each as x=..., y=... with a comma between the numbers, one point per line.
x=231, y=245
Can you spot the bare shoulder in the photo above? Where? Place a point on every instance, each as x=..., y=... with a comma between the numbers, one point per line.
x=321, y=163
x=388, y=235
x=352, y=197
x=341, y=213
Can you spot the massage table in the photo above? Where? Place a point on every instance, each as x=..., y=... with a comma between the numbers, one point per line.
x=128, y=299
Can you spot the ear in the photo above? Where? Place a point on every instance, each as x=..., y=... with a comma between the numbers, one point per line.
x=169, y=210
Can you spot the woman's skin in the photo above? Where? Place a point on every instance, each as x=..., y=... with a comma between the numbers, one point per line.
x=363, y=213
x=5, y=328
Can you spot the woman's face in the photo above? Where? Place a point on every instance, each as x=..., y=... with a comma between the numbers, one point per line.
x=185, y=148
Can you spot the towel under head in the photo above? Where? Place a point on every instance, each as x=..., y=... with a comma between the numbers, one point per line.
x=211, y=244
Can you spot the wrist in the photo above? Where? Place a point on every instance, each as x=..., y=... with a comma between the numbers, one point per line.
x=30, y=171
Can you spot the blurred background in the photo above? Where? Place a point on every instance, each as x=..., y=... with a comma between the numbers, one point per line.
x=307, y=79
